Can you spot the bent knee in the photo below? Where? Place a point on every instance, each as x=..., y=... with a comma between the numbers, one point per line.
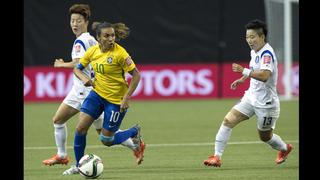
x=227, y=122
x=233, y=118
x=56, y=120
x=81, y=130
x=230, y=120
x=106, y=140
x=265, y=136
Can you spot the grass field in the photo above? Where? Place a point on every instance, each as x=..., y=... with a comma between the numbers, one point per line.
x=179, y=136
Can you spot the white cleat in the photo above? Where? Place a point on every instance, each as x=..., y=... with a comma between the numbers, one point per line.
x=72, y=170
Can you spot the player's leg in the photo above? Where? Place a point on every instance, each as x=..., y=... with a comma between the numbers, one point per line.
x=85, y=121
x=91, y=109
x=79, y=145
x=97, y=123
x=66, y=110
x=266, y=122
x=112, y=120
x=240, y=112
x=128, y=143
x=136, y=144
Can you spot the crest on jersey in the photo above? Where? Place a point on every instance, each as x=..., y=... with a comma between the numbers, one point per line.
x=109, y=60
x=266, y=59
x=257, y=59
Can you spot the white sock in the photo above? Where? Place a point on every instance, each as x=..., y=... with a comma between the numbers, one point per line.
x=222, y=138
x=277, y=143
x=60, y=134
x=128, y=143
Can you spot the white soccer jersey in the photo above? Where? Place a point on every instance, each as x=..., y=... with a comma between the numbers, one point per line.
x=80, y=45
x=264, y=94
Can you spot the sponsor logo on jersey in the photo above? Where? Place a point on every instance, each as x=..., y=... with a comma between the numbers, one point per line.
x=266, y=59
x=128, y=61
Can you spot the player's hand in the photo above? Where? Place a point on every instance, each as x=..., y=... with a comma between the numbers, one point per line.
x=88, y=83
x=235, y=84
x=58, y=63
x=237, y=68
x=124, y=104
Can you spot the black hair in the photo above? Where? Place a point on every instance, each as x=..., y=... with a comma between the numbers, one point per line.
x=259, y=26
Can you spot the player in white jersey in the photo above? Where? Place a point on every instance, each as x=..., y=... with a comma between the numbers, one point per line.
x=79, y=20
x=260, y=99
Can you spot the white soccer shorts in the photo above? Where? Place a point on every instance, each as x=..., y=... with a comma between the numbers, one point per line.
x=266, y=117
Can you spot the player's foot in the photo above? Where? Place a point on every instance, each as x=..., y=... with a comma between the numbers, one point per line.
x=213, y=161
x=139, y=153
x=72, y=170
x=282, y=156
x=137, y=140
x=56, y=160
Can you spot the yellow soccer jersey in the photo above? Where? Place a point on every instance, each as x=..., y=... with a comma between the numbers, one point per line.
x=109, y=69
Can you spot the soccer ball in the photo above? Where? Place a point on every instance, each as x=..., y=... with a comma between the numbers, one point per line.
x=90, y=166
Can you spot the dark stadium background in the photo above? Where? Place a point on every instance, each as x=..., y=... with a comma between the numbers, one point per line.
x=162, y=31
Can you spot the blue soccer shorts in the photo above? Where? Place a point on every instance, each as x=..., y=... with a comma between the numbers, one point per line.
x=94, y=105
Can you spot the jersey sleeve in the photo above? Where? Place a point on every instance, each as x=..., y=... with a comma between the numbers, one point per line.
x=125, y=61
x=78, y=49
x=267, y=61
x=86, y=58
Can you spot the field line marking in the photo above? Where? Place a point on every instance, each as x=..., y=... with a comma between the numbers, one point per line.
x=161, y=145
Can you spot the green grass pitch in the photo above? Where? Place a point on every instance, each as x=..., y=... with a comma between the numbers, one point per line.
x=179, y=136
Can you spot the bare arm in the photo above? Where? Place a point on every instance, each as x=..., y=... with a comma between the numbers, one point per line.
x=84, y=78
x=132, y=87
x=260, y=75
x=60, y=63
x=235, y=83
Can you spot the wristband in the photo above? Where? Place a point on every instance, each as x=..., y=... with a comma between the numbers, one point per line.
x=246, y=72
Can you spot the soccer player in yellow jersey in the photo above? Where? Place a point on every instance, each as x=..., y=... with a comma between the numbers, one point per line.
x=111, y=93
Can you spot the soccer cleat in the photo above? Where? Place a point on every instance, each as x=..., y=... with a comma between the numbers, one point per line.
x=137, y=140
x=72, y=170
x=282, y=156
x=213, y=161
x=139, y=153
x=56, y=160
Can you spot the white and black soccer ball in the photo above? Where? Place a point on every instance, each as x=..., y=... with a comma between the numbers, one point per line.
x=90, y=166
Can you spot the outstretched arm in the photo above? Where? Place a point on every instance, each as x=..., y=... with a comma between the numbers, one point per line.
x=260, y=75
x=235, y=83
x=60, y=63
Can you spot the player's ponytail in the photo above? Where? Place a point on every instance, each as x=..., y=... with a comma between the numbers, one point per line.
x=95, y=25
x=121, y=30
